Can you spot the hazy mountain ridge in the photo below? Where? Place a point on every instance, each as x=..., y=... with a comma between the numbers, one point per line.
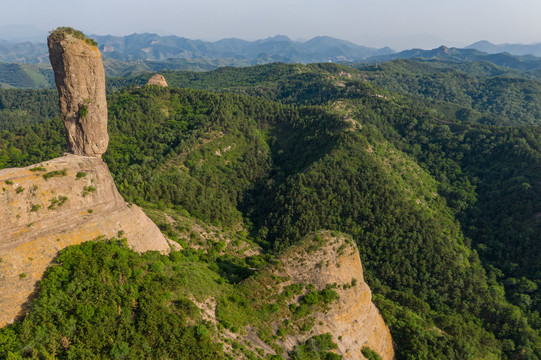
x=279, y=47
x=148, y=46
x=513, y=49
x=527, y=62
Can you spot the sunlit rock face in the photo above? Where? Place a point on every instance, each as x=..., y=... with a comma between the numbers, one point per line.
x=71, y=199
x=57, y=203
x=157, y=80
x=80, y=80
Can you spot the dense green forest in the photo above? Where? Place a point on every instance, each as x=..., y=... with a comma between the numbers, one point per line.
x=479, y=91
x=511, y=97
x=443, y=205
x=32, y=76
x=19, y=108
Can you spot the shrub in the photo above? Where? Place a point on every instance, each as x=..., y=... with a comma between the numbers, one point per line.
x=55, y=173
x=370, y=354
x=57, y=201
x=83, y=111
x=88, y=189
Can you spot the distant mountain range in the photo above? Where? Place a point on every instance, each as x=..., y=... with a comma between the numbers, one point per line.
x=279, y=48
x=527, y=62
x=513, y=49
x=273, y=49
x=26, y=64
x=155, y=47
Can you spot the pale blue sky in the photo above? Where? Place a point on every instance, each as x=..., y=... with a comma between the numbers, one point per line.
x=397, y=23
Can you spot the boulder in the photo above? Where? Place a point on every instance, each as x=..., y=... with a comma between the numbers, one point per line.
x=157, y=80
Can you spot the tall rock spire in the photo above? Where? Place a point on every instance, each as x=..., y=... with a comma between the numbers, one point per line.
x=80, y=80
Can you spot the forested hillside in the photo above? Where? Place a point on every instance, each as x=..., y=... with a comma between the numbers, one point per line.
x=508, y=97
x=469, y=91
x=443, y=206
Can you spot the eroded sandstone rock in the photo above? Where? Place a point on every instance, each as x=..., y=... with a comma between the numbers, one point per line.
x=57, y=203
x=80, y=80
x=157, y=80
x=71, y=199
x=353, y=320
x=322, y=260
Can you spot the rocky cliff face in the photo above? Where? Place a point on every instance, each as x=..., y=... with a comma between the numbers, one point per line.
x=49, y=206
x=80, y=80
x=68, y=200
x=352, y=320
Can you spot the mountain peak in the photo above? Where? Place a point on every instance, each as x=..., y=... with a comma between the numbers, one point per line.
x=279, y=38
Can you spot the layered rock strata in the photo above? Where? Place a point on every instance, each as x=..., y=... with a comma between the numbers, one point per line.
x=80, y=80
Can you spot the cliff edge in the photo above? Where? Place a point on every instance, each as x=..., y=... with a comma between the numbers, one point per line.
x=49, y=206
x=322, y=263
x=353, y=320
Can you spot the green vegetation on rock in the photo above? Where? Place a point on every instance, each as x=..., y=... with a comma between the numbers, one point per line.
x=60, y=33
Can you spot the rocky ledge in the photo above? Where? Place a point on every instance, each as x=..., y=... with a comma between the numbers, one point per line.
x=57, y=203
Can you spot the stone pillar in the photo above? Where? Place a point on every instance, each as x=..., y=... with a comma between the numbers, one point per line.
x=80, y=80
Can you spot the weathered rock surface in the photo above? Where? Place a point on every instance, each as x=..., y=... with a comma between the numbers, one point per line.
x=41, y=214
x=353, y=317
x=157, y=80
x=80, y=80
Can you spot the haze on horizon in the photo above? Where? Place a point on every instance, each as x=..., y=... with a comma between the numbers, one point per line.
x=396, y=23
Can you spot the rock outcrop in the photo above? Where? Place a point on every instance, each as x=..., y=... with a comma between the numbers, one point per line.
x=353, y=320
x=157, y=80
x=80, y=80
x=68, y=200
x=49, y=206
